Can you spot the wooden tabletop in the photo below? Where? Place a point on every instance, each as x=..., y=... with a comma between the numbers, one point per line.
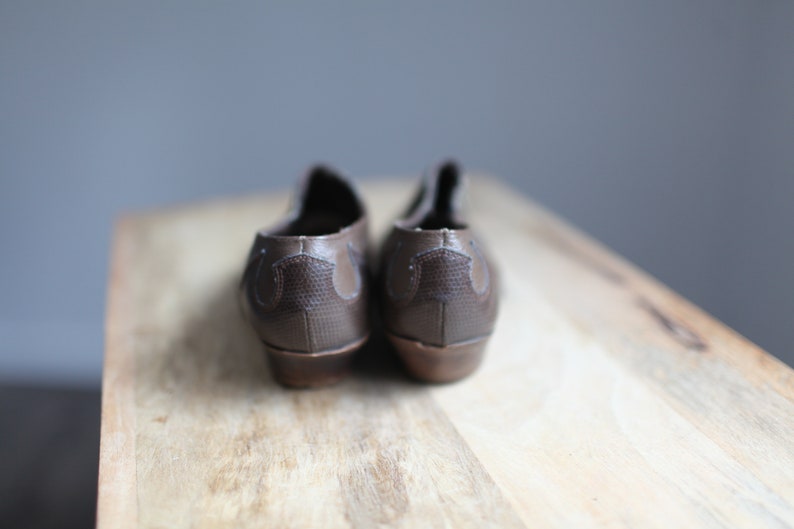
x=605, y=399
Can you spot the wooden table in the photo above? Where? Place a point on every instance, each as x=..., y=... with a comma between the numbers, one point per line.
x=605, y=399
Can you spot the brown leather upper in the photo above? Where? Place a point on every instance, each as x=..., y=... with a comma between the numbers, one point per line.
x=305, y=285
x=437, y=284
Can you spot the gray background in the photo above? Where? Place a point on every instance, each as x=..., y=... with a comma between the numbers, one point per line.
x=664, y=129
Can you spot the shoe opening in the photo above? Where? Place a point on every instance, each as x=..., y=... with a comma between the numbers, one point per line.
x=328, y=204
x=444, y=214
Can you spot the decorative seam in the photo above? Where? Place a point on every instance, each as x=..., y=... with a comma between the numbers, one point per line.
x=416, y=271
x=277, y=277
x=353, y=256
x=485, y=268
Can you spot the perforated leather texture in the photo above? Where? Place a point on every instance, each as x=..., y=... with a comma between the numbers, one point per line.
x=305, y=313
x=440, y=305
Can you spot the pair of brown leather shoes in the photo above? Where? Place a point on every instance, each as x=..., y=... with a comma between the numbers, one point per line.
x=305, y=288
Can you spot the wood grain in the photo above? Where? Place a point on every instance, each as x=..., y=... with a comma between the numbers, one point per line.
x=605, y=399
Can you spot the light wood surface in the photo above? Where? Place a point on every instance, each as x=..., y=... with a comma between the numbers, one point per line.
x=605, y=399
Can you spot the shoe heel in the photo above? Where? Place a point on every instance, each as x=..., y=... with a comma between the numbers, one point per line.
x=439, y=363
x=311, y=370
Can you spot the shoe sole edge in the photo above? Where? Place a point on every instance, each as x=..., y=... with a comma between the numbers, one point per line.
x=439, y=364
x=297, y=369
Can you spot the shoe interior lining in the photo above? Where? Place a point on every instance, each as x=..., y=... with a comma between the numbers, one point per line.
x=328, y=205
x=443, y=214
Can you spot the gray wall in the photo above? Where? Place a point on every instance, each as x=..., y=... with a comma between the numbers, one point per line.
x=664, y=129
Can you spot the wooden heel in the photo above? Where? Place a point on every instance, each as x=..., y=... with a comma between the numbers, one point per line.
x=311, y=370
x=432, y=363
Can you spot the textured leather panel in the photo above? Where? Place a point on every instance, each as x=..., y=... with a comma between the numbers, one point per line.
x=404, y=245
x=437, y=302
x=344, y=248
x=305, y=313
